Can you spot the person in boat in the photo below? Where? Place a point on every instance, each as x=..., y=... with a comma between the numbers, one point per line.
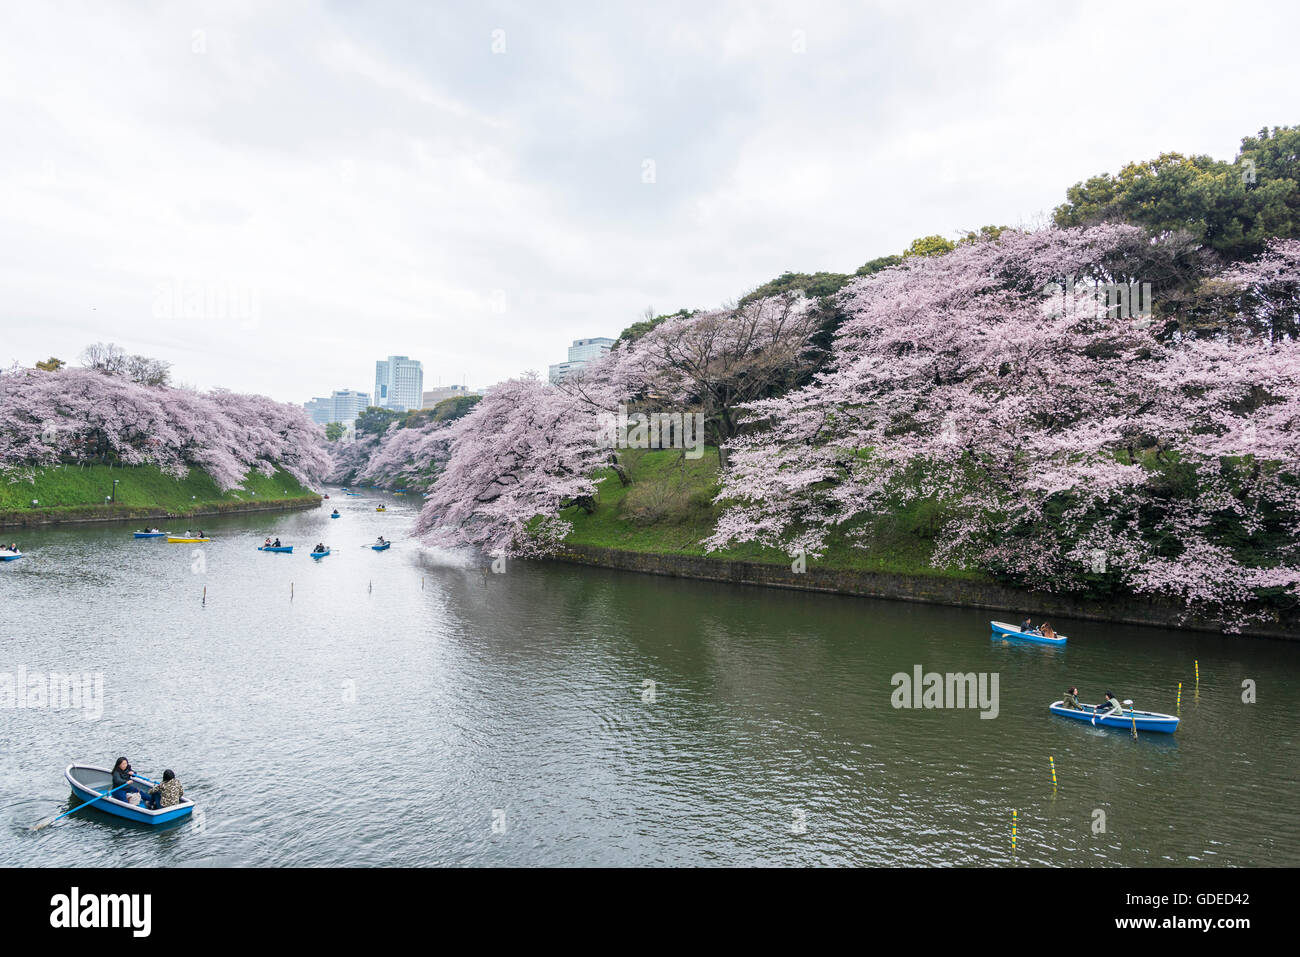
x=168, y=793
x=1046, y=630
x=381, y=540
x=277, y=544
x=1110, y=706
x=319, y=548
x=201, y=535
x=1071, y=699
x=1027, y=626
x=121, y=775
x=267, y=543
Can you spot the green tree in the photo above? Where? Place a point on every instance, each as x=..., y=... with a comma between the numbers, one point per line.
x=450, y=409
x=929, y=246
x=1232, y=207
x=335, y=431
x=51, y=364
x=375, y=421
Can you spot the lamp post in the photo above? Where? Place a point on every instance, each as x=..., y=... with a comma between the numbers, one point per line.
x=114, y=496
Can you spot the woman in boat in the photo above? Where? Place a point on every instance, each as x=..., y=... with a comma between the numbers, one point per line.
x=169, y=792
x=1071, y=699
x=121, y=775
x=267, y=543
x=1111, y=706
x=1046, y=630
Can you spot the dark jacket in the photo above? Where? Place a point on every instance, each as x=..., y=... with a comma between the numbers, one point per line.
x=120, y=777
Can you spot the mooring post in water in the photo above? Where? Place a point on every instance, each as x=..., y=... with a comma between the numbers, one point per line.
x=1013, y=832
x=291, y=591
x=1178, y=704
x=1196, y=663
x=205, y=596
x=1052, y=762
x=371, y=589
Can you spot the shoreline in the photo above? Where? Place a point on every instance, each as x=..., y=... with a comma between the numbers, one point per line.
x=933, y=590
x=98, y=514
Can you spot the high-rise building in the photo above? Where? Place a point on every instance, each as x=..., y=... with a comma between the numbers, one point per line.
x=347, y=404
x=434, y=396
x=318, y=410
x=399, y=383
x=343, y=405
x=580, y=353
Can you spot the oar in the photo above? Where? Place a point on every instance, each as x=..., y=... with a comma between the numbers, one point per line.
x=45, y=824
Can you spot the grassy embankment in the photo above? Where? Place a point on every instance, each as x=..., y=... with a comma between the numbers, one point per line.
x=668, y=509
x=69, y=493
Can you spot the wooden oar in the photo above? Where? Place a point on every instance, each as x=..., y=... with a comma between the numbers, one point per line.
x=45, y=824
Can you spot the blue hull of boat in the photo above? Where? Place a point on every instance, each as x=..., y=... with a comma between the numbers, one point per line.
x=319, y=555
x=284, y=549
x=1145, y=720
x=380, y=548
x=1001, y=630
x=150, y=534
x=336, y=516
x=122, y=809
x=9, y=558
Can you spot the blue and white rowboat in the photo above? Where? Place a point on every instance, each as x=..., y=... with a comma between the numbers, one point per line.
x=380, y=548
x=319, y=555
x=7, y=556
x=89, y=782
x=286, y=549
x=151, y=534
x=1002, y=630
x=1145, y=720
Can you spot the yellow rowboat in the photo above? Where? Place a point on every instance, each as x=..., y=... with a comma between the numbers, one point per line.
x=186, y=540
x=381, y=509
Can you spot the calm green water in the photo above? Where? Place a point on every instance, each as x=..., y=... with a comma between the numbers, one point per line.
x=407, y=708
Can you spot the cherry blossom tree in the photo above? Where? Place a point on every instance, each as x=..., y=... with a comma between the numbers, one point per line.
x=1067, y=445
x=82, y=415
x=525, y=453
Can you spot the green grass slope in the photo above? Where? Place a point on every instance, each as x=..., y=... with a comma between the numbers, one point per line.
x=72, y=492
x=668, y=509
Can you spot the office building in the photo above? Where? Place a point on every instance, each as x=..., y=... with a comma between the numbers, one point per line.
x=318, y=410
x=434, y=396
x=347, y=404
x=399, y=383
x=580, y=353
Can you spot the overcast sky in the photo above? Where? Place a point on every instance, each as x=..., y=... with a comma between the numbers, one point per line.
x=466, y=184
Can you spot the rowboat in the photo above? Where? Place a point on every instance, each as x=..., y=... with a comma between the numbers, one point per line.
x=335, y=515
x=380, y=548
x=150, y=534
x=1144, y=720
x=285, y=549
x=1002, y=630
x=10, y=556
x=88, y=782
x=177, y=540
x=319, y=555
x=381, y=509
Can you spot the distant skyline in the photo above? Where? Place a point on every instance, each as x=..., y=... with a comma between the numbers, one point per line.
x=478, y=185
